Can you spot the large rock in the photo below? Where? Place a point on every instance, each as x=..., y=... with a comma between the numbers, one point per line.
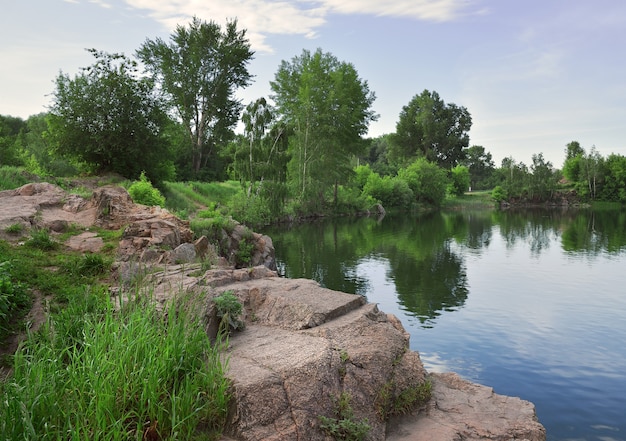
x=43, y=205
x=304, y=346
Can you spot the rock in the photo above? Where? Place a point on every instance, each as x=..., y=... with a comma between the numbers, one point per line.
x=183, y=253
x=304, y=345
x=85, y=242
x=460, y=410
x=202, y=247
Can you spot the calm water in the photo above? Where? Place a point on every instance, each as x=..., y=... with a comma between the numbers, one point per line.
x=532, y=304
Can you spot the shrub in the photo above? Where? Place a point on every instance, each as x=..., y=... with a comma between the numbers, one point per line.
x=142, y=192
x=343, y=426
x=229, y=309
x=459, y=180
x=499, y=194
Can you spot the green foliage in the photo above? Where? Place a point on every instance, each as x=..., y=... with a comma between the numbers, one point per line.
x=459, y=180
x=40, y=239
x=499, y=194
x=14, y=177
x=390, y=402
x=431, y=129
x=229, y=309
x=614, y=177
x=328, y=107
x=13, y=296
x=390, y=191
x=343, y=425
x=118, y=374
x=199, y=71
x=88, y=265
x=14, y=229
x=142, y=192
x=109, y=118
x=244, y=253
x=252, y=210
x=481, y=167
x=427, y=181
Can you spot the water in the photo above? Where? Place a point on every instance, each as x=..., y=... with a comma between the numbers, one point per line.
x=532, y=304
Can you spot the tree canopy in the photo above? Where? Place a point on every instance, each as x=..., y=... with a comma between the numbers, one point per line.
x=108, y=117
x=329, y=108
x=199, y=72
x=430, y=128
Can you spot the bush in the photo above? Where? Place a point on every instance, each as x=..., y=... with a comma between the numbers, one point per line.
x=459, y=180
x=499, y=194
x=142, y=192
x=229, y=309
x=427, y=180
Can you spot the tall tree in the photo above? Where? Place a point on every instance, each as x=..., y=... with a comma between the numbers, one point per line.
x=10, y=129
x=481, y=166
x=109, y=117
x=432, y=129
x=329, y=108
x=199, y=72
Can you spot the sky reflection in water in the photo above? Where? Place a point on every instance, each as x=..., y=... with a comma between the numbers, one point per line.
x=533, y=306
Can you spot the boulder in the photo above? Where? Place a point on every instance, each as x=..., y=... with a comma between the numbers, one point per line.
x=304, y=346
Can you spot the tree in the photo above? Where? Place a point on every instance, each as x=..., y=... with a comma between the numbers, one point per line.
x=260, y=155
x=543, y=179
x=573, y=161
x=480, y=165
x=329, y=108
x=109, y=118
x=614, y=188
x=199, y=73
x=432, y=129
x=10, y=128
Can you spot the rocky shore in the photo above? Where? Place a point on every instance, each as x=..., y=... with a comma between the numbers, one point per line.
x=308, y=359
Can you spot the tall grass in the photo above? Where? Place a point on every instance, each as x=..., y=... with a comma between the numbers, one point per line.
x=191, y=196
x=100, y=374
x=14, y=177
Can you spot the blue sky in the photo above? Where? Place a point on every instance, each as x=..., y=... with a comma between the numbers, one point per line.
x=534, y=75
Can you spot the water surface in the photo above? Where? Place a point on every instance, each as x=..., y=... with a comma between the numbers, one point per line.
x=530, y=303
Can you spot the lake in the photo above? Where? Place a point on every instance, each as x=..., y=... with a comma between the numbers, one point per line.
x=531, y=303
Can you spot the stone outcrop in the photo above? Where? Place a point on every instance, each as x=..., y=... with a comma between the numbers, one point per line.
x=151, y=234
x=304, y=346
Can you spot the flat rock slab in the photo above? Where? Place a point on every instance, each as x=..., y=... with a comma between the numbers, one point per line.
x=460, y=410
x=85, y=242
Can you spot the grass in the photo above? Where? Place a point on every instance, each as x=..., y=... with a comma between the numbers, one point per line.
x=100, y=374
x=471, y=200
x=14, y=177
x=190, y=197
x=92, y=372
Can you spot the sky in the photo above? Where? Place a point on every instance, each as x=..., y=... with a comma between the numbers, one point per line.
x=533, y=74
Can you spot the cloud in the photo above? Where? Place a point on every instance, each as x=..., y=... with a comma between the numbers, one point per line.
x=262, y=18
x=430, y=10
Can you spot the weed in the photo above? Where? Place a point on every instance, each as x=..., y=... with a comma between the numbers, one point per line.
x=344, y=426
x=244, y=252
x=14, y=228
x=40, y=239
x=229, y=309
x=88, y=265
x=13, y=296
x=389, y=404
